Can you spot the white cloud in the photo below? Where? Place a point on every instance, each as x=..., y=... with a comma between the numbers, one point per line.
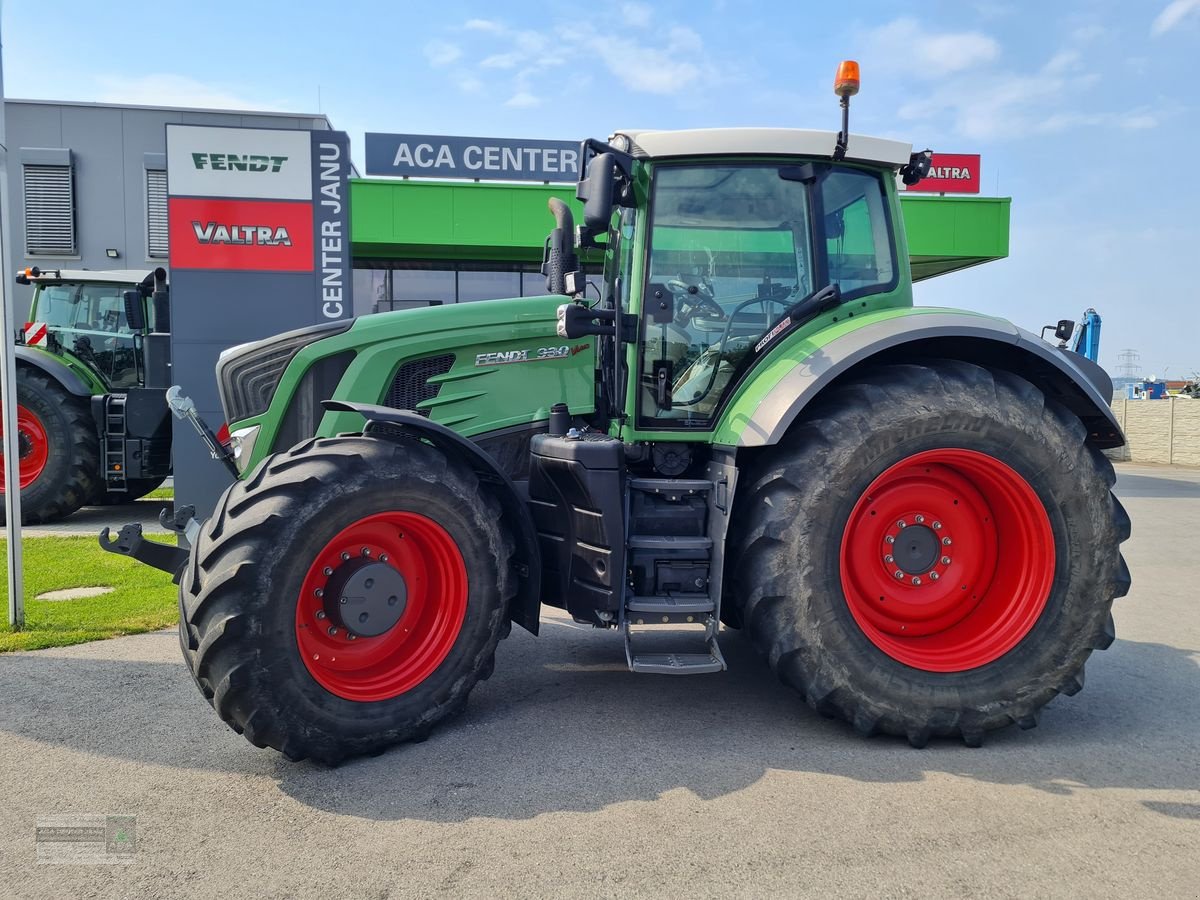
x=171, y=90
x=636, y=15
x=653, y=69
x=1085, y=34
x=487, y=25
x=442, y=53
x=522, y=100
x=500, y=61
x=1063, y=61
x=1174, y=13
x=907, y=45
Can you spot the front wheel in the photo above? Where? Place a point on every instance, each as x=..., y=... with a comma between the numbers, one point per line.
x=934, y=550
x=346, y=597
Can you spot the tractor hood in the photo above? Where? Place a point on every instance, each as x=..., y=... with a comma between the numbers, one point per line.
x=478, y=368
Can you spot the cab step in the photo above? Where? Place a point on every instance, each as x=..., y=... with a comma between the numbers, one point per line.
x=692, y=661
x=679, y=604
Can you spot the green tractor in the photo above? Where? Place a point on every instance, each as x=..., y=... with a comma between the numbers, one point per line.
x=906, y=509
x=92, y=372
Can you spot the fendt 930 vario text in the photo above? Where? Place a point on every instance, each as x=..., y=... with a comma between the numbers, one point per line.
x=906, y=509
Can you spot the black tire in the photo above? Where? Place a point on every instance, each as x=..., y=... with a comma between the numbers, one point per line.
x=136, y=489
x=792, y=516
x=239, y=594
x=71, y=473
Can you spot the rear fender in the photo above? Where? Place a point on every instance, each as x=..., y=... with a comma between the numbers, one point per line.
x=526, y=610
x=1070, y=379
x=68, y=378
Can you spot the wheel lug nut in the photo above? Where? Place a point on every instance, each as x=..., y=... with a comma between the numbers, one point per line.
x=328, y=571
x=901, y=524
x=889, y=558
x=383, y=557
x=899, y=574
x=332, y=630
x=934, y=576
x=916, y=579
x=937, y=526
x=352, y=637
x=945, y=560
x=920, y=519
x=366, y=551
x=320, y=613
x=319, y=592
x=947, y=541
x=890, y=539
x=345, y=556
x=342, y=600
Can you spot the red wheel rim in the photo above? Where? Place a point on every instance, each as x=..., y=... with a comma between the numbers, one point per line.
x=34, y=446
x=364, y=668
x=988, y=580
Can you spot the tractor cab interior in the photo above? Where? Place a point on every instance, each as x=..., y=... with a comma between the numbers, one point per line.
x=732, y=249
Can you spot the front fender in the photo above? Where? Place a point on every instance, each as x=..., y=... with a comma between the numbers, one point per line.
x=526, y=611
x=761, y=418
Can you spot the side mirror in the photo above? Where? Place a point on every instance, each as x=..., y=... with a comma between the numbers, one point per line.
x=135, y=312
x=596, y=192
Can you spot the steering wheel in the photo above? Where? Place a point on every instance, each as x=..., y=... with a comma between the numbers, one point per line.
x=710, y=359
x=692, y=300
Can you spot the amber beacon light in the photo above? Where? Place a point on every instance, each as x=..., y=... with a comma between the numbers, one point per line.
x=845, y=83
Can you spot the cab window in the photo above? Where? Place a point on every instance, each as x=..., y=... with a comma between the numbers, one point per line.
x=858, y=245
x=731, y=249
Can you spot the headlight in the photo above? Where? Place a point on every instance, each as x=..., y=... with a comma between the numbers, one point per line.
x=242, y=444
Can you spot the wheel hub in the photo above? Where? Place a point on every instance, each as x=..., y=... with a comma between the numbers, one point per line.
x=366, y=597
x=921, y=562
x=916, y=549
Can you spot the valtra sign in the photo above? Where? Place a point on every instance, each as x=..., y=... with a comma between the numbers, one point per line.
x=950, y=173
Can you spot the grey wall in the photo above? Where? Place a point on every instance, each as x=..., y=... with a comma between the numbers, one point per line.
x=108, y=146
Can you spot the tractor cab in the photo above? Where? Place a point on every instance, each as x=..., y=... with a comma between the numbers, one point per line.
x=718, y=244
x=85, y=316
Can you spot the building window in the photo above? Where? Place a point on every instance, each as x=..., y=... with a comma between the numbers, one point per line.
x=49, y=210
x=156, y=213
x=421, y=287
x=381, y=285
x=488, y=285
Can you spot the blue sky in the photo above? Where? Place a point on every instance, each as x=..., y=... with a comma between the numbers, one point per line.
x=1084, y=110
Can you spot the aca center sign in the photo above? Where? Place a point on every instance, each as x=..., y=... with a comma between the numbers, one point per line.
x=492, y=159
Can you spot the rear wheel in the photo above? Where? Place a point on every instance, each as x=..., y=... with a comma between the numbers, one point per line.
x=934, y=550
x=58, y=447
x=346, y=597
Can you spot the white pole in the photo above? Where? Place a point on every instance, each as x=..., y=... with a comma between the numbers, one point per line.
x=8, y=391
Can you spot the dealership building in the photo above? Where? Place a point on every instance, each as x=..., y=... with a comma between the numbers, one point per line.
x=87, y=189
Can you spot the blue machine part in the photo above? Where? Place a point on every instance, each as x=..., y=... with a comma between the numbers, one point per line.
x=1087, y=336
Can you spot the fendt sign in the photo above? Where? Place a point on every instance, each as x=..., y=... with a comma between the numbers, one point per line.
x=259, y=227
x=492, y=159
x=950, y=173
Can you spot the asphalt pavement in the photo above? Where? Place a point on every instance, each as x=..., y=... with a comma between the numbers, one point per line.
x=569, y=776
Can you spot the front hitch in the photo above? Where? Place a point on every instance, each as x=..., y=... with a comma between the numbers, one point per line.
x=131, y=542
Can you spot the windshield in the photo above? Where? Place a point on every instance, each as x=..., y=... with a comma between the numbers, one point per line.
x=88, y=319
x=732, y=251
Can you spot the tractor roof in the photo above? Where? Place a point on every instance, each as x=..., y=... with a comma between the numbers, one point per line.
x=759, y=142
x=110, y=276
